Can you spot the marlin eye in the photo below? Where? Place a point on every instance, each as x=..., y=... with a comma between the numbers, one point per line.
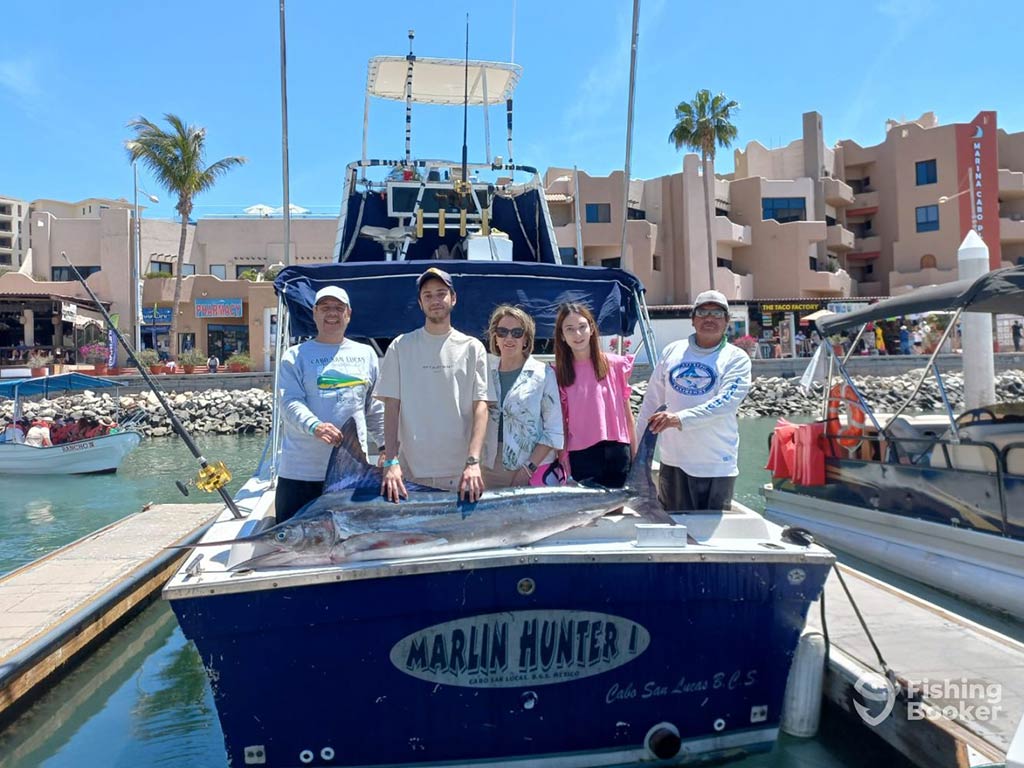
x=281, y=536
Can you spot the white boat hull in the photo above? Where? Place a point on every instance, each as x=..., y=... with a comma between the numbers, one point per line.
x=97, y=454
x=982, y=568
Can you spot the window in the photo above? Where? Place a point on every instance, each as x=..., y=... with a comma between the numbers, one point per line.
x=5, y=259
x=186, y=342
x=813, y=262
x=5, y=242
x=599, y=213
x=830, y=221
x=784, y=209
x=219, y=270
x=927, y=218
x=926, y=172
x=635, y=214
x=656, y=262
x=164, y=267
x=724, y=263
x=928, y=261
x=613, y=263
x=65, y=273
x=869, y=269
x=188, y=269
x=567, y=255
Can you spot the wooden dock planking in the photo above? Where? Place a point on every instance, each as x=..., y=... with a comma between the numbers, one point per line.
x=923, y=642
x=55, y=609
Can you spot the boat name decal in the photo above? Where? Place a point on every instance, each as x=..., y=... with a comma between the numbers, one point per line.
x=505, y=650
x=70, y=447
x=719, y=681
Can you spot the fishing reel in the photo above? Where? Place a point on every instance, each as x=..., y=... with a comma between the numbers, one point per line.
x=211, y=478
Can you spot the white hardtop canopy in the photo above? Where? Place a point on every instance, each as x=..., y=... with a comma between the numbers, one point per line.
x=442, y=81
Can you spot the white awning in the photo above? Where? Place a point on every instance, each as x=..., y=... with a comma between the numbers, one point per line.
x=442, y=81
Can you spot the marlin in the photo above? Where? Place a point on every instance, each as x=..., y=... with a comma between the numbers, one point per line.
x=351, y=521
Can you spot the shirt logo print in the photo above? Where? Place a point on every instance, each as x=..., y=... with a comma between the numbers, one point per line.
x=692, y=378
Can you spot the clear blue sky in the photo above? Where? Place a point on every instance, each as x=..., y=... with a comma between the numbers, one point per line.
x=72, y=74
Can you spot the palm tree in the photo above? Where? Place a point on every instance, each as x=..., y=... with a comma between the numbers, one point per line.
x=175, y=157
x=702, y=124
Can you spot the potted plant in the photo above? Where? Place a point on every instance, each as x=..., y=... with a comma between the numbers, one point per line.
x=39, y=362
x=747, y=343
x=191, y=359
x=96, y=355
x=239, y=362
x=150, y=359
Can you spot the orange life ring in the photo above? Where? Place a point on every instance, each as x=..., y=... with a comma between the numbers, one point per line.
x=851, y=435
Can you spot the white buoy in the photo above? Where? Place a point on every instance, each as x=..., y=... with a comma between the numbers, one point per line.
x=977, y=358
x=801, y=707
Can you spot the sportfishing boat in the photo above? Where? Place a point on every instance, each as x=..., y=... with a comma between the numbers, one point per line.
x=545, y=642
x=93, y=455
x=937, y=498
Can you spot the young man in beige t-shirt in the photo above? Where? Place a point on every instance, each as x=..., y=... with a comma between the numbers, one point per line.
x=433, y=382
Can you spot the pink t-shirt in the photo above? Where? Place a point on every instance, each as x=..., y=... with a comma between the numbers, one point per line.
x=594, y=410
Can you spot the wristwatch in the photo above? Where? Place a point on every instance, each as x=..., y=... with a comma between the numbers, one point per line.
x=531, y=466
x=471, y=461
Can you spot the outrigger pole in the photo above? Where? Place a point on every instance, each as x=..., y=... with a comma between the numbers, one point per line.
x=211, y=476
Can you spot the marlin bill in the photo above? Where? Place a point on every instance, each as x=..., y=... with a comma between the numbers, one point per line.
x=352, y=521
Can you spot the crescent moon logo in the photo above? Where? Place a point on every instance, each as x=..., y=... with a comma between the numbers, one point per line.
x=980, y=132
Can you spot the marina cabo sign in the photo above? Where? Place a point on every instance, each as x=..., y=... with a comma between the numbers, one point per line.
x=505, y=650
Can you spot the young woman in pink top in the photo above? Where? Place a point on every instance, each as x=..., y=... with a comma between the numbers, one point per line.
x=600, y=435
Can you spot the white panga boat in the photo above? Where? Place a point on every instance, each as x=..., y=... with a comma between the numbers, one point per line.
x=94, y=455
x=937, y=498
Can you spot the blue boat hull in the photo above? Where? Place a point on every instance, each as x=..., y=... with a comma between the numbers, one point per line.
x=564, y=663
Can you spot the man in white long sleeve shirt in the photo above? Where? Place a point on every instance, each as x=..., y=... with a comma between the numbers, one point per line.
x=702, y=380
x=324, y=382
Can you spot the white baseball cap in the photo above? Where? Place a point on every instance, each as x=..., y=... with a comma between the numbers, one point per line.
x=333, y=292
x=711, y=297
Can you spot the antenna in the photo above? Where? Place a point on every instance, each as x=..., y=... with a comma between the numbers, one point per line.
x=465, y=111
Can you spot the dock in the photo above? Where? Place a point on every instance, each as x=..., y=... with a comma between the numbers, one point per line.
x=966, y=681
x=56, y=609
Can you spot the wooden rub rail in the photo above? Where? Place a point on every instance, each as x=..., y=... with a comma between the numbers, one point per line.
x=55, y=610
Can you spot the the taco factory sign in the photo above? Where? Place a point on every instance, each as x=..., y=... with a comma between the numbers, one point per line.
x=505, y=650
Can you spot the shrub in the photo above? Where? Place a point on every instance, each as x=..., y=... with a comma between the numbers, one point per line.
x=94, y=353
x=148, y=357
x=192, y=357
x=39, y=359
x=239, y=358
x=747, y=343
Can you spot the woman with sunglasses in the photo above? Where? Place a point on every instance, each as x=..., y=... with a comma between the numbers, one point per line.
x=526, y=424
x=594, y=387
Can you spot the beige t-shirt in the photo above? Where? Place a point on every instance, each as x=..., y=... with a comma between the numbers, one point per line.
x=437, y=379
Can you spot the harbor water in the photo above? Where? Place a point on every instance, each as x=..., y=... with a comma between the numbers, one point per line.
x=143, y=698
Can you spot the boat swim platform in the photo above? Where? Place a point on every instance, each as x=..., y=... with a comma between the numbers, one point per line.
x=55, y=610
x=954, y=663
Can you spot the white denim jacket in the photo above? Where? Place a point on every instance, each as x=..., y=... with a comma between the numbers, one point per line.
x=531, y=414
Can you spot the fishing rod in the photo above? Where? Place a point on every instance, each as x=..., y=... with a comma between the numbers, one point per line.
x=212, y=477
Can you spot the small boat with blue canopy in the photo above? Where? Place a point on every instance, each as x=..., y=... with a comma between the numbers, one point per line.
x=92, y=455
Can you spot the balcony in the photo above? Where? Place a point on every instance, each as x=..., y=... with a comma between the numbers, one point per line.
x=1011, y=230
x=871, y=244
x=838, y=238
x=825, y=283
x=864, y=204
x=838, y=193
x=1011, y=184
x=902, y=282
x=869, y=289
x=730, y=233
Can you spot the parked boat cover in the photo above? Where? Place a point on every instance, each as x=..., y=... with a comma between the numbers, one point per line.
x=997, y=292
x=45, y=385
x=384, y=296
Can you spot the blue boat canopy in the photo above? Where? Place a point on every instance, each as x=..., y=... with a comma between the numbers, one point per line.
x=384, y=296
x=46, y=385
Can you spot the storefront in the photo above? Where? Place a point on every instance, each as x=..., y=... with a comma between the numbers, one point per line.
x=223, y=338
x=156, y=329
x=781, y=326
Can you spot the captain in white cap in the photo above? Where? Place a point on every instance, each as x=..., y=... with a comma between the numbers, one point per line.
x=325, y=381
x=702, y=380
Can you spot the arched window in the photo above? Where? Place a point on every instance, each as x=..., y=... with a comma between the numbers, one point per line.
x=928, y=261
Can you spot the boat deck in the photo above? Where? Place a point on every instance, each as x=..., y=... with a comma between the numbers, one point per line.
x=56, y=608
x=973, y=674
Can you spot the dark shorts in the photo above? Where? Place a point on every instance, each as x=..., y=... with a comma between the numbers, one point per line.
x=293, y=495
x=680, y=492
x=606, y=463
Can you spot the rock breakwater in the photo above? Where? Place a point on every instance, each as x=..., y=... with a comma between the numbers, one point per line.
x=212, y=411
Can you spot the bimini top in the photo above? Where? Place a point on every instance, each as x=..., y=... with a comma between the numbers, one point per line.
x=442, y=81
x=384, y=295
x=997, y=292
x=45, y=385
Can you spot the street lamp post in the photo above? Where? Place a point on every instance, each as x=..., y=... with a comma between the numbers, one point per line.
x=137, y=260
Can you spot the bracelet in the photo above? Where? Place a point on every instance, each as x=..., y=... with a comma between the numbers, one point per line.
x=391, y=463
x=312, y=430
x=531, y=466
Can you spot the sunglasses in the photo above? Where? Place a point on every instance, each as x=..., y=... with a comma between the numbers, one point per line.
x=515, y=333
x=716, y=313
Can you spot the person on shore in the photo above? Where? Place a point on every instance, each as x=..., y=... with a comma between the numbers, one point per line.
x=880, y=340
x=324, y=382
x=38, y=435
x=525, y=426
x=904, y=340
x=702, y=380
x=600, y=436
x=434, y=386
x=212, y=363
x=1015, y=334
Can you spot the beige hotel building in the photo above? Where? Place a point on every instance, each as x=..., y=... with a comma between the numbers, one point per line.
x=794, y=228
